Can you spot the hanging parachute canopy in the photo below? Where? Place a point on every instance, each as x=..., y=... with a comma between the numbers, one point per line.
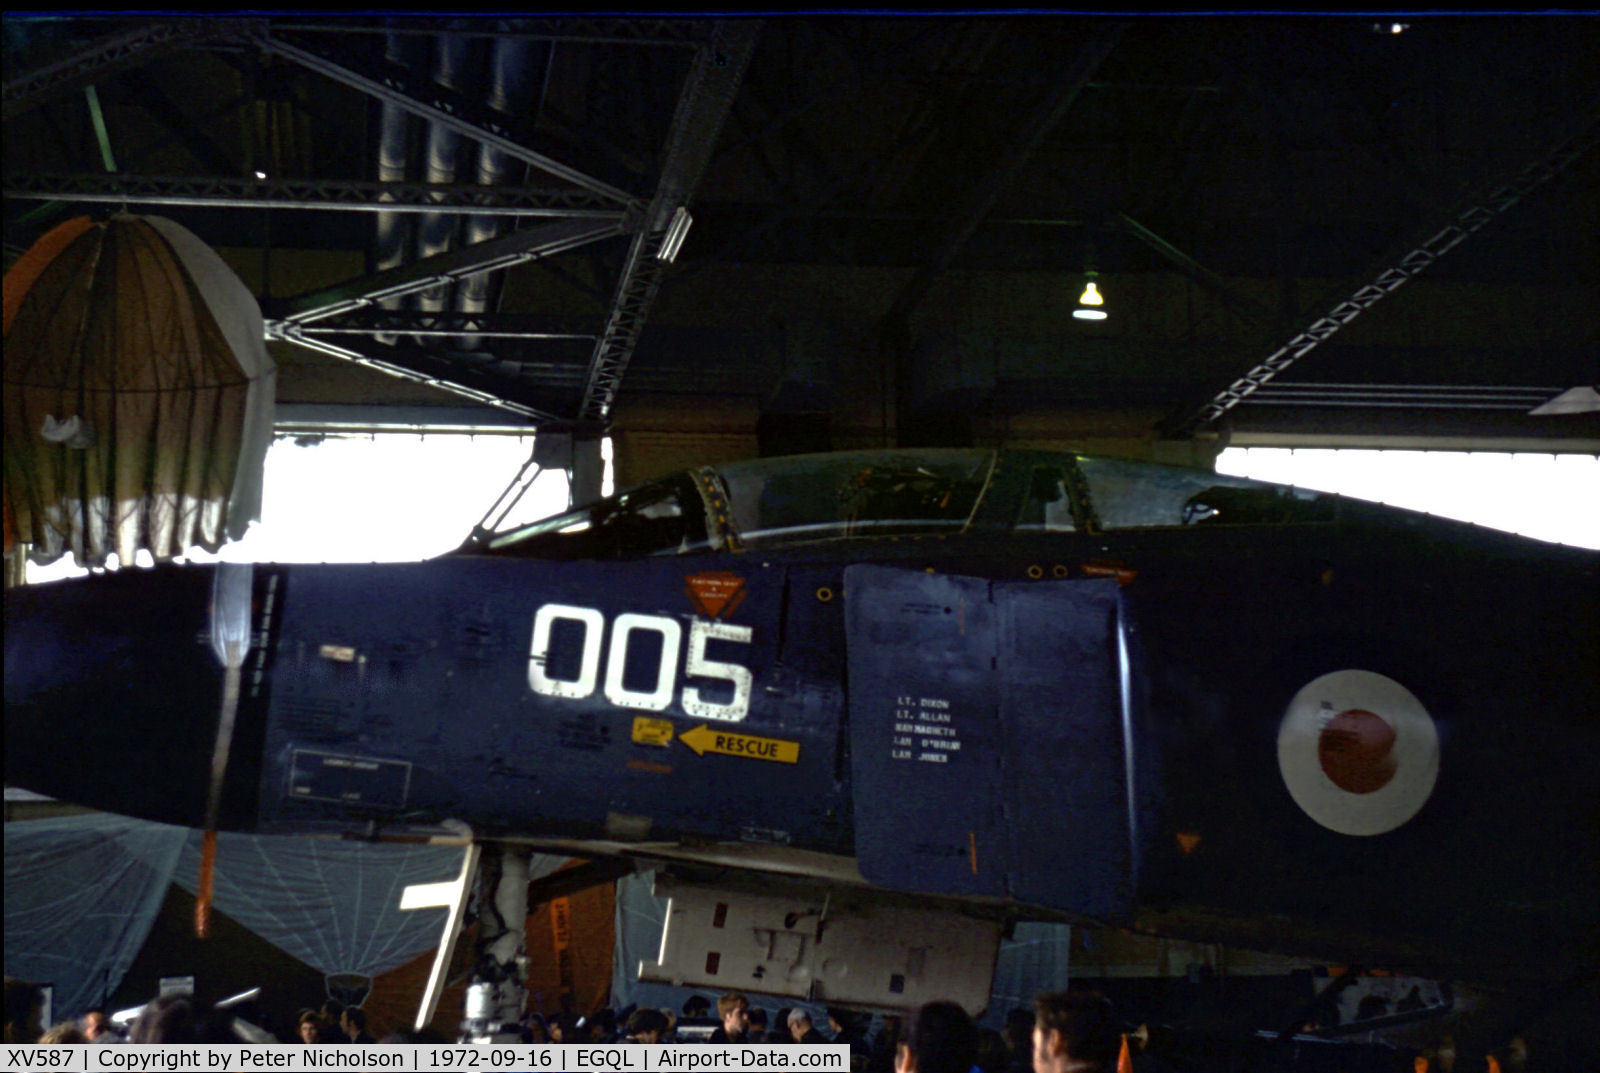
x=138, y=394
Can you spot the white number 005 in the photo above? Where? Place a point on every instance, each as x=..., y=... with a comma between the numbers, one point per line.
x=695, y=665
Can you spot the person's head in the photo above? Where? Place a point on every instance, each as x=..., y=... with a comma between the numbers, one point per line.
x=94, y=1024
x=837, y=1019
x=734, y=1010
x=179, y=1019
x=538, y=1031
x=799, y=1022
x=24, y=1003
x=993, y=1054
x=1444, y=1052
x=308, y=1029
x=353, y=1020
x=1072, y=1030
x=1018, y=1032
x=697, y=1006
x=1514, y=1055
x=65, y=1032
x=756, y=1019
x=938, y=1038
x=415, y=1035
x=646, y=1025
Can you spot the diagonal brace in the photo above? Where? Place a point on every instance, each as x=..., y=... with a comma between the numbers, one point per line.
x=499, y=253
x=397, y=85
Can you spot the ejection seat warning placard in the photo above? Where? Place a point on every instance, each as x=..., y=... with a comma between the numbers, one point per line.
x=926, y=729
x=350, y=780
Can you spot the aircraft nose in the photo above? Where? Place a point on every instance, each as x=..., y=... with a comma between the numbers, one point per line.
x=112, y=692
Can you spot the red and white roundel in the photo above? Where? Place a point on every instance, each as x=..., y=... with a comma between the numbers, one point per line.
x=1358, y=752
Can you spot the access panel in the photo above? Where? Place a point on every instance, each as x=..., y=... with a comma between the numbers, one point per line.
x=990, y=745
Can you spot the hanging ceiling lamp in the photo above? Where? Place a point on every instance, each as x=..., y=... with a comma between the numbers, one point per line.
x=1090, y=301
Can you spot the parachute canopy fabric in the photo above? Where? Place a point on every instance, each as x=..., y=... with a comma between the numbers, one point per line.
x=138, y=394
x=82, y=893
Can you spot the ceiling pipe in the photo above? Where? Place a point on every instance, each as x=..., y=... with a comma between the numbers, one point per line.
x=392, y=230
x=436, y=233
x=509, y=92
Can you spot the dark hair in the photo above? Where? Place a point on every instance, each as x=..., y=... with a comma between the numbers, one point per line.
x=179, y=1019
x=942, y=1037
x=758, y=1017
x=358, y=1017
x=22, y=1010
x=415, y=1035
x=1084, y=1019
x=1019, y=1027
x=993, y=1055
x=696, y=1002
x=645, y=1019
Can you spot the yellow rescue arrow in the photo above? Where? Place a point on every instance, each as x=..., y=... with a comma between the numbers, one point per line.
x=702, y=739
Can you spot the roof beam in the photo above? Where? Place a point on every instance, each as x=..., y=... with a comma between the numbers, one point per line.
x=456, y=199
x=1466, y=222
x=1031, y=133
x=1242, y=304
x=703, y=107
x=482, y=386
x=680, y=33
x=374, y=320
x=496, y=254
x=114, y=53
x=400, y=86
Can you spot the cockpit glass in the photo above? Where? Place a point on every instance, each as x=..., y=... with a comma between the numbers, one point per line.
x=663, y=517
x=857, y=494
x=1130, y=495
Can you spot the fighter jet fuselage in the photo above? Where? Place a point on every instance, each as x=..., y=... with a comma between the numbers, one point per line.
x=1250, y=715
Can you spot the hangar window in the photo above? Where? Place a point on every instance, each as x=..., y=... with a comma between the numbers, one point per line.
x=1553, y=497
x=373, y=496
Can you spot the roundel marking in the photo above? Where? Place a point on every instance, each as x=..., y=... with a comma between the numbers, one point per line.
x=1358, y=752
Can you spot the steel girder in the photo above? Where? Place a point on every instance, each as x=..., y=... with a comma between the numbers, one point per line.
x=456, y=199
x=703, y=106
x=496, y=254
x=447, y=374
x=113, y=53
x=682, y=33
x=1468, y=221
x=399, y=85
x=1242, y=304
x=1043, y=119
x=1403, y=396
x=374, y=320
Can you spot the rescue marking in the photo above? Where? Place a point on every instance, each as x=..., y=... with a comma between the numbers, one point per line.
x=1358, y=752
x=702, y=739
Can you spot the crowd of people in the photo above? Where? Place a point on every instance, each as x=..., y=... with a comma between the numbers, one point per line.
x=1065, y=1033
x=1072, y=1031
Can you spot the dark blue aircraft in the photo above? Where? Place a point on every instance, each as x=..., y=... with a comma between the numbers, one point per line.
x=1025, y=684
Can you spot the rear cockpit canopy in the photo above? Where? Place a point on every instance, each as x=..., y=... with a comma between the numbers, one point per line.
x=856, y=495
